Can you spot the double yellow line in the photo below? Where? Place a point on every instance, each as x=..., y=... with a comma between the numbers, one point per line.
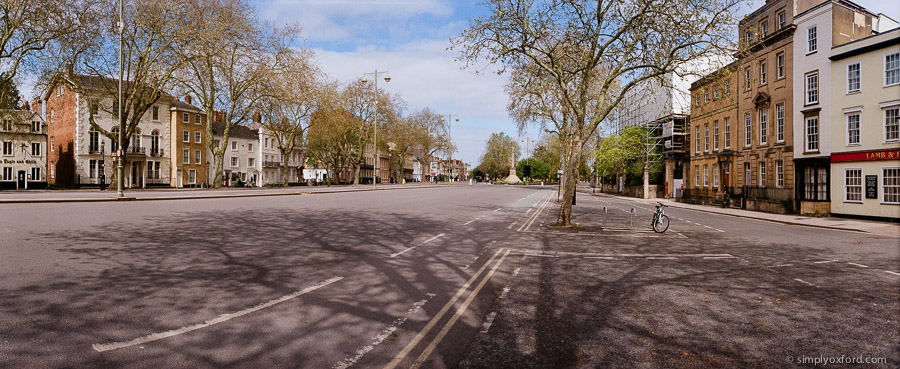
x=440, y=315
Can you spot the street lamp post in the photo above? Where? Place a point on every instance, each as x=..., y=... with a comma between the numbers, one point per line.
x=102, y=166
x=450, y=146
x=120, y=165
x=387, y=78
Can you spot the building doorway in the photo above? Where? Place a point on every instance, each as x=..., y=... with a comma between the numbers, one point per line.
x=20, y=180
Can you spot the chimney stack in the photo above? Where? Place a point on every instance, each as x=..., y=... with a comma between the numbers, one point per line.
x=257, y=117
x=36, y=106
x=187, y=98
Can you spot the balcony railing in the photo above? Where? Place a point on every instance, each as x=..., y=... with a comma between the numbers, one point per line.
x=157, y=152
x=138, y=150
x=271, y=164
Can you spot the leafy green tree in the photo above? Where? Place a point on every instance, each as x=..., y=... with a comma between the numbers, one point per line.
x=496, y=159
x=9, y=93
x=539, y=169
x=620, y=151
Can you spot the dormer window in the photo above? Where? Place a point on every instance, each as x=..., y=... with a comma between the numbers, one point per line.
x=36, y=126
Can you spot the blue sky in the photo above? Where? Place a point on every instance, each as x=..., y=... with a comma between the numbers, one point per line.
x=409, y=38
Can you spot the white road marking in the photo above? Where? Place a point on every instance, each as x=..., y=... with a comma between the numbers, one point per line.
x=720, y=230
x=498, y=209
x=708, y=227
x=779, y=265
x=381, y=336
x=534, y=216
x=516, y=272
x=469, y=222
x=488, y=322
x=600, y=257
x=415, y=341
x=824, y=261
x=859, y=265
x=513, y=224
x=804, y=282
x=719, y=257
x=661, y=258
x=465, y=305
x=102, y=347
x=528, y=211
x=894, y=273
x=396, y=254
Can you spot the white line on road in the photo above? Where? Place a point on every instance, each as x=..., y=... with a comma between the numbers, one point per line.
x=101, y=347
x=719, y=257
x=804, y=282
x=415, y=341
x=459, y=311
x=779, y=265
x=513, y=224
x=720, y=230
x=488, y=322
x=894, y=273
x=469, y=222
x=708, y=227
x=381, y=336
x=662, y=258
x=824, y=261
x=528, y=211
x=426, y=241
x=600, y=257
x=859, y=265
x=498, y=209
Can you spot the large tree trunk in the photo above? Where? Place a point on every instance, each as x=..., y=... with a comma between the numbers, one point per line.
x=219, y=180
x=570, y=174
x=284, y=168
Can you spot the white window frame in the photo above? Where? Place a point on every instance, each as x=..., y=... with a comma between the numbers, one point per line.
x=234, y=161
x=185, y=118
x=36, y=174
x=233, y=145
x=779, y=122
x=762, y=174
x=705, y=175
x=51, y=144
x=696, y=176
x=7, y=174
x=192, y=176
x=197, y=136
x=727, y=132
x=697, y=141
x=716, y=135
x=197, y=157
x=763, y=65
x=811, y=40
x=811, y=88
x=185, y=136
x=36, y=149
x=706, y=138
x=859, y=186
x=886, y=70
x=807, y=134
x=763, y=126
x=748, y=129
x=884, y=121
x=8, y=149
x=782, y=19
x=858, y=116
x=883, y=186
x=854, y=79
x=715, y=174
x=185, y=156
x=155, y=113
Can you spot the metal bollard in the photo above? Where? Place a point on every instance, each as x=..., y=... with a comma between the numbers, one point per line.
x=605, y=215
x=632, y=219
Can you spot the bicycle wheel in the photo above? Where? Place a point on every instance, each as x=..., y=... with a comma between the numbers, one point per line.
x=661, y=224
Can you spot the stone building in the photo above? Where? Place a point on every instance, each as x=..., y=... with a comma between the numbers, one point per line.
x=188, y=152
x=24, y=152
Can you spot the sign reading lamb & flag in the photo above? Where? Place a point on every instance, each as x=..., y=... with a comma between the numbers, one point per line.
x=869, y=155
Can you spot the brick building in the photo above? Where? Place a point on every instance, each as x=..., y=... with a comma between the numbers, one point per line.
x=188, y=152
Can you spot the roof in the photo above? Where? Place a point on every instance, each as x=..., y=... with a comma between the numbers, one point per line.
x=96, y=83
x=238, y=131
x=22, y=116
x=183, y=106
x=866, y=44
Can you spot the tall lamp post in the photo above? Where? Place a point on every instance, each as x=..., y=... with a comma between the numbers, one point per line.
x=450, y=146
x=120, y=165
x=387, y=78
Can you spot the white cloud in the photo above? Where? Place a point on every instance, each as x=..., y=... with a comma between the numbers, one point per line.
x=331, y=20
x=425, y=74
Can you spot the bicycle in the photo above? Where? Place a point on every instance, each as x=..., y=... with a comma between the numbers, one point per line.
x=660, y=221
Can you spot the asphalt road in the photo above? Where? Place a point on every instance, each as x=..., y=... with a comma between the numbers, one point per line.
x=461, y=276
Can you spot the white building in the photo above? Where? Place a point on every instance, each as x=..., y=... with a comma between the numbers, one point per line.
x=865, y=155
x=270, y=160
x=819, y=29
x=81, y=155
x=23, y=157
x=241, y=159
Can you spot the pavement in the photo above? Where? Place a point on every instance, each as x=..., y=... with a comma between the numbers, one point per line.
x=837, y=223
x=147, y=194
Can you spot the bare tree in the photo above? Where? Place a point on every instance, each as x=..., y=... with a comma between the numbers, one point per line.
x=430, y=136
x=229, y=59
x=358, y=99
x=588, y=54
x=287, y=109
x=29, y=27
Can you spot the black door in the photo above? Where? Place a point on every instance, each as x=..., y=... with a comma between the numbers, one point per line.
x=21, y=179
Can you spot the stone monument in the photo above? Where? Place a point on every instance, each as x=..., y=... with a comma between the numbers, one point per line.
x=512, y=178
